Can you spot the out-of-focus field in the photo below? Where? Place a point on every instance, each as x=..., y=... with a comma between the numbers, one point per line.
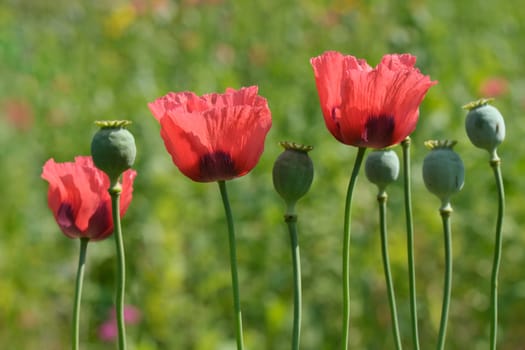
x=65, y=64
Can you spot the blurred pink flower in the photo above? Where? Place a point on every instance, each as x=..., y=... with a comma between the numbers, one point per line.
x=143, y=7
x=19, y=114
x=494, y=87
x=131, y=314
x=108, y=329
x=202, y=2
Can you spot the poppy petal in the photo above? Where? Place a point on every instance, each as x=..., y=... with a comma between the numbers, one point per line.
x=215, y=136
x=367, y=107
x=79, y=199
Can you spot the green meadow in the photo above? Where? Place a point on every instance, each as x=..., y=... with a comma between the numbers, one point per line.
x=67, y=63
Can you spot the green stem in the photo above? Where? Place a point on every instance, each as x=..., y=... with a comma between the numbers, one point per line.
x=410, y=241
x=346, y=246
x=114, y=191
x=291, y=220
x=78, y=292
x=445, y=212
x=381, y=199
x=495, y=164
x=233, y=266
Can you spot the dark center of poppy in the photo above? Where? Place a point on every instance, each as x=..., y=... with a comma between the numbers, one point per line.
x=65, y=216
x=217, y=166
x=100, y=223
x=335, y=117
x=378, y=130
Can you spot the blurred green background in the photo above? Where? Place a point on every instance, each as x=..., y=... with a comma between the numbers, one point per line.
x=66, y=63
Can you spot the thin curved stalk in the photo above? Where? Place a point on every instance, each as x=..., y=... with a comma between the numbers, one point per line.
x=233, y=266
x=291, y=220
x=495, y=164
x=447, y=288
x=115, y=191
x=382, y=199
x=78, y=293
x=410, y=242
x=346, y=245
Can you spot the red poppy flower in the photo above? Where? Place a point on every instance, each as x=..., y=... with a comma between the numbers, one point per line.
x=216, y=136
x=369, y=107
x=79, y=199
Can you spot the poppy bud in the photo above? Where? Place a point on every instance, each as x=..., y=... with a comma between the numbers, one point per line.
x=293, y=173
x=443, y=171
x=485, y=125
x=113, y=148
x=382, y=168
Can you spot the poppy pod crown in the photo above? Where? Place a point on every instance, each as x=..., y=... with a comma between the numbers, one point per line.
x=369, y=107
x=215, y=136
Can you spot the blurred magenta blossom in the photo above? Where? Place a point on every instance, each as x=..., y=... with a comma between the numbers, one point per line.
x=494, y=87
x=108, y=329
x=19, y=113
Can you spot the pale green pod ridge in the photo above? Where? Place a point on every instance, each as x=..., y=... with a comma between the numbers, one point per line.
x=443, y=170
x=293, y=172
x=485, y=125
x=382, y=168
x=113, y=148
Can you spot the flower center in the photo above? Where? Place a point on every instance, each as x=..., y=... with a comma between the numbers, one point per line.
x=217, y=166
x=378, y=130
x=65, y=216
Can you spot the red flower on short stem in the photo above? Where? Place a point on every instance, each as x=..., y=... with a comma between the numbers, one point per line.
x=79, y=199
x=369, y=107
x=214, y=137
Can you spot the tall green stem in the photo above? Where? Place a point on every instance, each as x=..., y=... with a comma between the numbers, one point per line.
x=346, y=246
x=445, y=212
x=233, y=266
x=291, y=220
x=78, y=292
x=382, y=199
x=410, y=241
x=495, y=164
x=114, y=191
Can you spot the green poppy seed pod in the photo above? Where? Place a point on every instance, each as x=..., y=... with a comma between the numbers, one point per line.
x=382, y=168
x=293, y=172
x=485, y=125
x=443, y=171
x=113, y=148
